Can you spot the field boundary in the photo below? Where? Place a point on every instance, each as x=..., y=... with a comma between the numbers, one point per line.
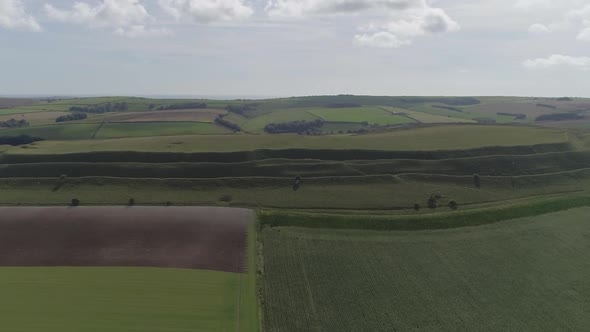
x=443, y=220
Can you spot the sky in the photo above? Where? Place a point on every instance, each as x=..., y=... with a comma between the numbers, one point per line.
x=295, y=47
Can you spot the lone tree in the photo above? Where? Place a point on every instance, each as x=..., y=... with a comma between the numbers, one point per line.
x=417, y=207
x=453, y=205
x=432, y=203
x=477, y=180
x=131, y=202
x=75, y=202
x=168, y=203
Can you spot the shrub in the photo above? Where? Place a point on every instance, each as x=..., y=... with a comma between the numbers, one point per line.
x=453, y=205
x=75, y=202
x=477, y=180
x=225, y=198
x=168, y=203
x=417, y=207
x=432, y=203
x=131, y=202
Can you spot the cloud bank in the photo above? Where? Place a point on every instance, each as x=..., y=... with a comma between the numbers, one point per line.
x=14, y=16
x=558, y=60
x=207, y=11
x=397, y=23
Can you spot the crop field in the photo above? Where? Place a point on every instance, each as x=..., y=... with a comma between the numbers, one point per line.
x=526, y=274
x=372, y=115
x=48, y=289
x=147, y=129
x=427, y=138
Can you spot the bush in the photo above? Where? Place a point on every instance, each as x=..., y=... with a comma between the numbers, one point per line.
x=75, y=202
x=72, y=117
x=18, y=140
x=432, y=203
x=131, y=202
x=168, y=203
x=225, y=198
x=477, y=180
x=417, y=207
x=453, y=205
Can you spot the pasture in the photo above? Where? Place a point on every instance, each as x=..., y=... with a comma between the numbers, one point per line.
x=35, y=118
x=77, y=131
x=198, y=115
x=46, y=287
x=371, y=115
x=515, y=275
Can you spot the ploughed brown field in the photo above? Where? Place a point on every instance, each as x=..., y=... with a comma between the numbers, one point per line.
x=169, y=237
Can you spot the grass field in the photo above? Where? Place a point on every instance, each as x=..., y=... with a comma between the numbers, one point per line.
x=428, y=138
x=118, y=299
x=423, y=117
x=35, y=119
x=526, y=274
x=372, y=115
x=256, y=125
x=147, y=129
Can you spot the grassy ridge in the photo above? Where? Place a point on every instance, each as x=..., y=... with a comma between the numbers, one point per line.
x=437, y=221
x=526, y=274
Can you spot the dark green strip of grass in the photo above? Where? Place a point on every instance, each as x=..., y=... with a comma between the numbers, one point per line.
x=443, y=220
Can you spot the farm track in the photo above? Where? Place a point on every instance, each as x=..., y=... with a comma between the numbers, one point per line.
x=171, y=237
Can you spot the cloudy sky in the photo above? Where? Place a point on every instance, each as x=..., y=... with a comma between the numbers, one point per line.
x=295, y=47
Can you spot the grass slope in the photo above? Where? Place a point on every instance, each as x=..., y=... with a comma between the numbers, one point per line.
x=371, y=115
x=151, y=129
x=527, y=274
x=55, y=132
x=444, y=137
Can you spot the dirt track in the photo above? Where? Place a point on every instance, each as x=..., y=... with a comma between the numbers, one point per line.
x=175, y=237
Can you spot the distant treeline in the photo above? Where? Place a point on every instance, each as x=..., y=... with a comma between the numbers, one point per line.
x=18, y=140
x=230, y=125
x=450, y=108
x=547, y=106
x=298, y=127
x=186, y=106
x=241, y=109
x=13, y=123
x=559, y=117
x=565, y=99
x=72, y=117
x=99, y=109
x=517, y=116
x=343, y=105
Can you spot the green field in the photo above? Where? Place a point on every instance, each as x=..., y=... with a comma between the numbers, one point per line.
x=256, y=125
x=371, y=115
x=122, y=130
x=526, y=274
x=427, y=138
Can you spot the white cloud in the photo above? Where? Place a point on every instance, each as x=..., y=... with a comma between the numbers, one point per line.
x=207, y=11
x=558, y=60
x=14, y=16
x=396, y=22
x=539, y=28
x=141, y=31
x=105, y=14
x=530, y=4
x=584, y=35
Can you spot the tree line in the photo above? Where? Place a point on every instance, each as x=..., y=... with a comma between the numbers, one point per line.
x=99, y=109
x=72, y=117
x=224, y=123
x=517, y=116
x=18, y=140
x=13, y=123
x=298, y=127
x=559, y=117
x=240, y=109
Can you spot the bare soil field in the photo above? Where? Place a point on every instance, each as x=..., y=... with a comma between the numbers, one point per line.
x=196, y=115
x=168, y=237
x=37, y=118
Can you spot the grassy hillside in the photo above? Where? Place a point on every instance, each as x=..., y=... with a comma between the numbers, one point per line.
x=523, y=274
x=450, y=137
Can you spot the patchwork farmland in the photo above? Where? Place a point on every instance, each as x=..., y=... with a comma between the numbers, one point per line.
x=346, y=213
